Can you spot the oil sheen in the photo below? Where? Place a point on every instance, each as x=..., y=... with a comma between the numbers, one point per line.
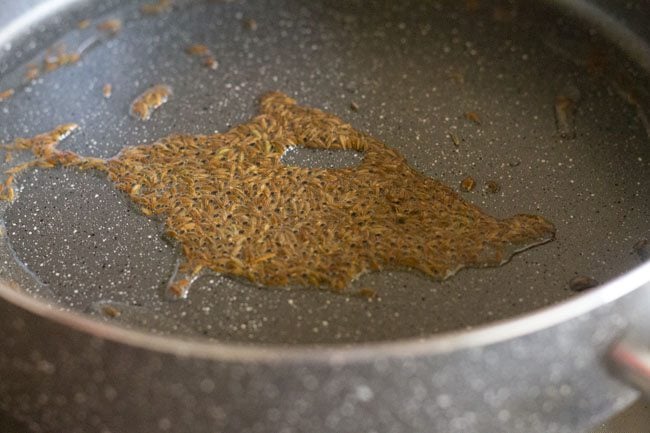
x=235, y=208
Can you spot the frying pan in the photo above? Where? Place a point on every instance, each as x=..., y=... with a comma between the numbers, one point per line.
x=510, y=348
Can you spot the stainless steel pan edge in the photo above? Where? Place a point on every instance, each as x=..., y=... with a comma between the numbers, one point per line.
x=624, y=24
x=610, y=296
x=543, y=372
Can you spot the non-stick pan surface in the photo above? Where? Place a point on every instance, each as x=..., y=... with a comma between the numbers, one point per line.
x=412, y=69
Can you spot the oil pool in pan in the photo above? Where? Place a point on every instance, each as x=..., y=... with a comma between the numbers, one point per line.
x=236, y=209
x=456, y=93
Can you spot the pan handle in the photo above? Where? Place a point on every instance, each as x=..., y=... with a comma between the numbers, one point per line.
x=629, y=360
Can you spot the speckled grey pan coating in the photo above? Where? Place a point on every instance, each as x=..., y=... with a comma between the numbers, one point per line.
x=87, y=245
x=83, y=245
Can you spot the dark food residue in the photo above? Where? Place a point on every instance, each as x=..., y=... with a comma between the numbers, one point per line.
x=236, y=209
x=581, y=283
x=642, y=249
x=565, y=112
x=492, y=187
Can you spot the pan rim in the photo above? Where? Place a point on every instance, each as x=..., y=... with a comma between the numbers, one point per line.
x=440, y=343
x=610, y=27
x=445, y=342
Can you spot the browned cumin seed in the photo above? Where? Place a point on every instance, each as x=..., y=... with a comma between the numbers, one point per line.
x=149, y=100
x=202, y=51
x=473, y=116
x=59, y=56
x=111, y=311
x=468, y=184
x=236, y=209
x=56, y=57
x=107, y=90
x=197, y=50
x=32, y=72
x=111, y=26
x=6, y=94
x=454, y=138
x=156, y=8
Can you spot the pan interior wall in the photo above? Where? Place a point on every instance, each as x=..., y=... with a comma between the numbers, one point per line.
x=458, y=90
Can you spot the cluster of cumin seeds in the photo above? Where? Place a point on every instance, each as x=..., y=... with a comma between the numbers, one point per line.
x=236, y=209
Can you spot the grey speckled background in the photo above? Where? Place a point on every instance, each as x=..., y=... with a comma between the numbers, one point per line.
x=634, y=420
